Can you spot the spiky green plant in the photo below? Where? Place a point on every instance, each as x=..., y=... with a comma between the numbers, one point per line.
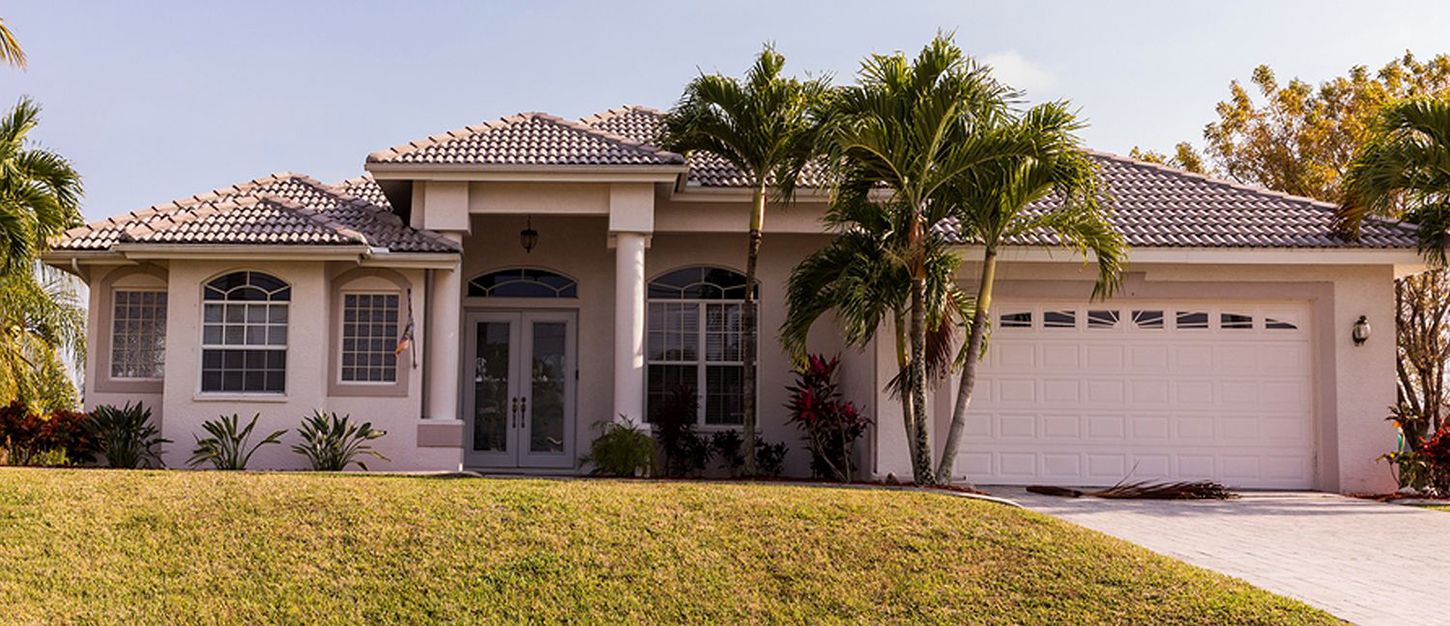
x=1403, y=172
x=331, y=443
x=228, y=447
x=126, y=435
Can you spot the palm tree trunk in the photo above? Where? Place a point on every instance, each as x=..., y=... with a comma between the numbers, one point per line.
x=916, y=383
x=749, y=323
x=968, y=382
x=903, y=360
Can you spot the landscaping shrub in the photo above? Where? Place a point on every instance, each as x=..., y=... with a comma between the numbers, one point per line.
x=622, y=449
x=227, y=448
x=35, y=438
x=331, y=443
x=125, y=436
x=1436, y=451
x=685, y=452
x=831, y=425
x=769, y=457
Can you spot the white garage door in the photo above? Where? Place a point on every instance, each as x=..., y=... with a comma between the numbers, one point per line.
x=1086, y=395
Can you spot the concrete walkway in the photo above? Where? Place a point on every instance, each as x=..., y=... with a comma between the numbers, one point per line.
x=1366, y=562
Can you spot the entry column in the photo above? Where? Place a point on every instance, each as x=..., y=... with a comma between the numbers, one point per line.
x=629, y=321
x=444, y=323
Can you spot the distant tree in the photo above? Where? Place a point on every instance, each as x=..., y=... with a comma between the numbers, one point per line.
x=10, y=50
x=1184, y=158
x=1298, y=138
x=42, y=331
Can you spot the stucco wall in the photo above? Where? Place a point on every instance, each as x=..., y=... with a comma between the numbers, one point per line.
x=1355, y=384
x=181, y=407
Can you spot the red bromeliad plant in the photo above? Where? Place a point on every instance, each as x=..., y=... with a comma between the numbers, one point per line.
x=1436, y=450
x=27, y=436
x=831, y=425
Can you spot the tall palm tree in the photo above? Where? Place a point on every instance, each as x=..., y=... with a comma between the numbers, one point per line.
x=42, y=332
x=993, y=207
x=861, y=276
x=912, y=128
x=10, y=50
x=39, y=191
x=1403, y=172
x=765, y=126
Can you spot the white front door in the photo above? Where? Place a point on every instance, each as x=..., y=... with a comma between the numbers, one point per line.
x=519, y=391
x=1075, y=394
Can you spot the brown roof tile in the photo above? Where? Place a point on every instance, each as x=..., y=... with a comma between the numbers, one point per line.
x=528, y=139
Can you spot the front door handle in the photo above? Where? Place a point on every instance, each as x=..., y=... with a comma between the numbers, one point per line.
x=513, y=410
x=523, y=408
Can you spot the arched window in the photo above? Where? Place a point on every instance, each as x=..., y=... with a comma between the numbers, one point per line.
x=695, y=339
x=523, y=282
x=244, y=334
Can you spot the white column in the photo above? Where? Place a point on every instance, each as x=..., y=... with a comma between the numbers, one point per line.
x=444, y=322
x=629, y=374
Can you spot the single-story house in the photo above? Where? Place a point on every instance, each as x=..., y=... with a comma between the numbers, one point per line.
x=489, y=294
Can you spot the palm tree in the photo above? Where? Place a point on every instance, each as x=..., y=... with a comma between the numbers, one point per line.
x=42, y=330
x=861, y=276
x=994, y=206
x=1401, y=172
x=10, y=50
x=766, y=127
x=39, y=191
x=913, y=128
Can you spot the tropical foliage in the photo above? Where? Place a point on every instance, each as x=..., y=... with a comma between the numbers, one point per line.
x=766, y=126
x=332, y=442
x=35, y=437
x=10, y=50
x=125, y=436
x=1400, y=173
x=228, y=446
x=683, y=451
x=830, y=423
x=42, y=321
x=957, y=163
x=621, y=449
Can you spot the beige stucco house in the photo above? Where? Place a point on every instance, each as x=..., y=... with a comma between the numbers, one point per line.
x=406, y=297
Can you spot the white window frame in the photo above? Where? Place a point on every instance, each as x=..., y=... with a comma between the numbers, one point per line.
x=201, y=392
x=111, y=348
x=342, y=335
x=702, y=362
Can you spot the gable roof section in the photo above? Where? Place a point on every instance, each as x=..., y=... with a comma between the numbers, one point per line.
x=527, y=139
x=1157, y=206
x=278, y=209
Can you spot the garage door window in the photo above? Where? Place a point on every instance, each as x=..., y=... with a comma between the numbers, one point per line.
x=1191, y=320
x=1102, y=319
x=1235, y=320
x=1148, y=320
x=1017, y=320
x=1059, y=319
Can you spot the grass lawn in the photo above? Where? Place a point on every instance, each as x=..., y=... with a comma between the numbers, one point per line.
x=1439, y=507
x=207, y=547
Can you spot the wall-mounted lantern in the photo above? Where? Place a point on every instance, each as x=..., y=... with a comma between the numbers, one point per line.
x=1361, y=331
x=528, y=237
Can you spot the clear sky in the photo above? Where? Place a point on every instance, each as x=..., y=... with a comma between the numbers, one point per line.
x=158, y=100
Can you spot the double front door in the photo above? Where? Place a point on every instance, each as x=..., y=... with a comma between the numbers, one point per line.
x=519, y=390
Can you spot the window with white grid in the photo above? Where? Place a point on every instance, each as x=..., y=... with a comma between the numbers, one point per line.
x=138, y=334
x=694, y=340
x=369, y=337
x=244, y=334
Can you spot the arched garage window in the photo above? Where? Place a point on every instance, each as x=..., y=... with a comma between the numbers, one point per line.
x=523, y=282
x=694, y=340
x=244, y=334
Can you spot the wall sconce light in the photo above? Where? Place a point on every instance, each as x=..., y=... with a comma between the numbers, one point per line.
x=1361, y=331
x=528, y=237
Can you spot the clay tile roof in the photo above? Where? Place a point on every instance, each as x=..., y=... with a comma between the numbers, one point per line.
x=528, y=139
x=277, y=209
x=1156, y=206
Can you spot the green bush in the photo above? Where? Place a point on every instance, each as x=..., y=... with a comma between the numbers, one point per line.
x=331, y=443
x=685, y=452
x=622, y=449
x=769, y=457
x=125, y=436
x=227, y=448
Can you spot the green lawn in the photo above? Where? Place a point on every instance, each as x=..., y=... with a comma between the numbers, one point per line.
x=1439, y=507
x=206, y=547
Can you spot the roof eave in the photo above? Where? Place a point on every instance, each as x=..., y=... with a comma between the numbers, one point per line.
x=526, y=173
x=1241, y=255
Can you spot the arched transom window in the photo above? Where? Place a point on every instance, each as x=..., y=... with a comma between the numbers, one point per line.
x=694, y=341
x=523, y=282
x=244, y=334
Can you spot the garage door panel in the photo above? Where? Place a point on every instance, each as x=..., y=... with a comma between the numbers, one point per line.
x=1159, y=390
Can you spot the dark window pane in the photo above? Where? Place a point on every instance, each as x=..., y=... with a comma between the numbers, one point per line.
x=1192, y=319
x=1017, y=320
x=522, y=283
x=1102, y=319
x=1273, y=324
x=1059, y=319
x=1235, y=320
x=1148, y=319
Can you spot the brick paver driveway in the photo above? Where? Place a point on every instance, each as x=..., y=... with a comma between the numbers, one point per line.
x=1363, y=561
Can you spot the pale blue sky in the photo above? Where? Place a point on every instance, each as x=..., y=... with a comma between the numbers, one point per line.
x=157, y=100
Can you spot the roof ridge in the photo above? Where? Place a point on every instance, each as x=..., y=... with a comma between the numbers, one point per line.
x=505, y=122
x=376, y=212
x=620, y=111
x=1256, y=189
x=319, y=217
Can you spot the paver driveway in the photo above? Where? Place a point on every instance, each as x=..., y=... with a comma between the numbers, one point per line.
x=1363, y=561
